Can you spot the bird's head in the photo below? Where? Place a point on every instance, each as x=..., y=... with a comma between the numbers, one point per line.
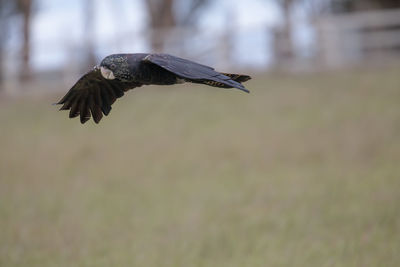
x=115, y=67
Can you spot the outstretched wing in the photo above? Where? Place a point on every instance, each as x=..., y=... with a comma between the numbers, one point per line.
x=194, y=72
x=93, y=95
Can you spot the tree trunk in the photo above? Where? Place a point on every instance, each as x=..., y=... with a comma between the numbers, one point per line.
x=344, y=6
x=2, y=40
x=283, y=44
x=90, y=57
x=287, y=30
x=25, y=73
x=162, y=19
x=1, y=66
x=161, y=22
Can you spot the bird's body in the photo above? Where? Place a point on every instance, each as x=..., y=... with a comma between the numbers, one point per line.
x=95, y=92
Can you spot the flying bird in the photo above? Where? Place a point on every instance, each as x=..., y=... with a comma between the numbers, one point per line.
x=95, y=92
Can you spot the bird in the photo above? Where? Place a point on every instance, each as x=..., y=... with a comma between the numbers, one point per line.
x=94, y=93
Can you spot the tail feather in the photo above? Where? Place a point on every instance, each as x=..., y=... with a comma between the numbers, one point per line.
x=225, y=84
x=224, y=80
x=237, y=77
x=228, y=80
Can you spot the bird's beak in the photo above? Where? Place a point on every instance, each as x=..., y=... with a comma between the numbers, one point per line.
x=106, y=73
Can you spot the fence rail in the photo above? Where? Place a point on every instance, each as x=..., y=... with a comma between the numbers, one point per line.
x=350, y=38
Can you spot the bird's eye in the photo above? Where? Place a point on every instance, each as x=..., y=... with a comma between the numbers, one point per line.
x=112, y=66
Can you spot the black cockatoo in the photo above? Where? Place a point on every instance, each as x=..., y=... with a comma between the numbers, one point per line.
x=97, y=90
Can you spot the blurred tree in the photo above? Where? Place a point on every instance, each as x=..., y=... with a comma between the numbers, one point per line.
x=24, y=7
x=89, y=20
x=7, y=9
x=164, y=15
x=4, y=15
x=341, y=6
x=161, y=20
x=283, y=44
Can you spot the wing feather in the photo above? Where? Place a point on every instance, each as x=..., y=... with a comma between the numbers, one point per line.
x=84, y=110
x=92, y=96
x=97, y=96
x=106, y=106
x=192, y=71
x=74, y=112
x=110, y=93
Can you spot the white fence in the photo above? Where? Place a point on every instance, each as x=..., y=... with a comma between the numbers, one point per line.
x=367, y=36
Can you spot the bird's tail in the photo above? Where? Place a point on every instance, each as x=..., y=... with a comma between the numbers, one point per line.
x=228, y=80
x=240, y=78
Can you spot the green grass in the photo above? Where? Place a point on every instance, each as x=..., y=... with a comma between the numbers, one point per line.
x=304, y=171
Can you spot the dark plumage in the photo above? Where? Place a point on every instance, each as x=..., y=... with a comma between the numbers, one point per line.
x=95, y=92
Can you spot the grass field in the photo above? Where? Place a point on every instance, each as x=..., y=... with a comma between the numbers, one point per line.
x=304, y=171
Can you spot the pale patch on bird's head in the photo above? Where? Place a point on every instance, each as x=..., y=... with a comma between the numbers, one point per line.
x=116, y=67
x=107, y=73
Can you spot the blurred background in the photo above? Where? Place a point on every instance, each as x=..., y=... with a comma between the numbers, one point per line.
x=301, y=172
x=57, y=40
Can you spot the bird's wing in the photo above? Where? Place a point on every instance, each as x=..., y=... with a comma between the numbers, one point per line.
x=193, y=71
x=93, y=94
